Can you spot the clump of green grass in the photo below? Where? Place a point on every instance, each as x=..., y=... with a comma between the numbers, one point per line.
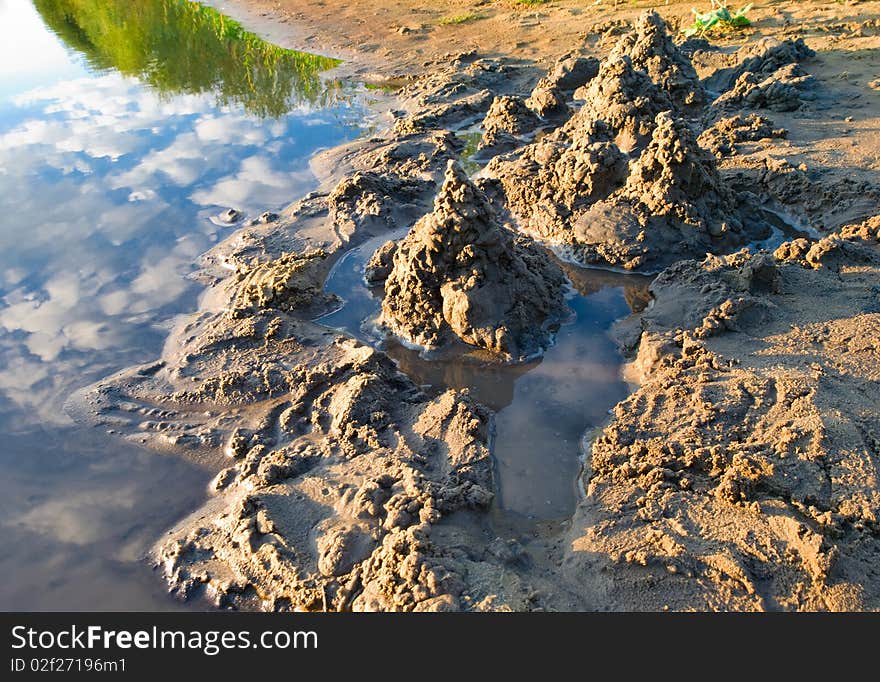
x=460, y=18
x=718, y=19
x=376, y=87
x=532, y=3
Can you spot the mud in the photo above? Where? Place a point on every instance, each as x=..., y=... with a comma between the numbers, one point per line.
x=738, y=475
x=460, y=273
x=624, y=182
x=651, y=49
x=722, y=138
x=741, y=474
x=542, y=406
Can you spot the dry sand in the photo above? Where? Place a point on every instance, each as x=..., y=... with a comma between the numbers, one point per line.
x=742, y=473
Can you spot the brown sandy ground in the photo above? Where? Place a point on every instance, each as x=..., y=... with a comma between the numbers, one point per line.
x=399, y=37
x=741, y=473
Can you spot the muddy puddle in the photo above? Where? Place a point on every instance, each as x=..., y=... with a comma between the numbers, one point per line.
x=542, y=407
x=125, y=128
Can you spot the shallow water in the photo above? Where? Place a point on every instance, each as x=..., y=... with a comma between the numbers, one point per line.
x=542, y=407
x=125, y=125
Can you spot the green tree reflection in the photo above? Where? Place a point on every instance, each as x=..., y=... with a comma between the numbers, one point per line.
x=177, y=46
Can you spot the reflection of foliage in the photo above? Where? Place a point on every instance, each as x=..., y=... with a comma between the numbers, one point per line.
x=471, y=145
x=177, y=46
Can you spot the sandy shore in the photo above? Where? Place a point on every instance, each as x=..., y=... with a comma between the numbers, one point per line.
x=397, y=38
x=742, y=471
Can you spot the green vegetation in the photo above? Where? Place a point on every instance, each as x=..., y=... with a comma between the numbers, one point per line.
x=460, y=18
x=176, y=46
x=718, y=19
x=531, y=3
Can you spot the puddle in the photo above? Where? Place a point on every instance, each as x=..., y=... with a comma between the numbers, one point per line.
x=124, y=127
x=782, y=228
x=469, y=160
x=542, y=407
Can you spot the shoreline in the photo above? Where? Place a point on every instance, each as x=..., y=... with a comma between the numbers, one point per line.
x=358, y=511
x=370, y=37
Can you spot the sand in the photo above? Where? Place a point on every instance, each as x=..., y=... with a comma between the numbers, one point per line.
x=741, y=474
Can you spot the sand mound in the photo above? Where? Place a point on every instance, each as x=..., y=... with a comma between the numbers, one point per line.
x=786, y=89
x=742, y=473
x=330, y=501
x=507, y=119
x=372, y=202
x=562, y=174
x=570, y=72
x=548, y=102
x=764, y=58
x=721, y=139
x=547, y=184
x=622, y=96
x=650, y=48
x=673, y=203
x=624, y=182
x=768, y=77
x=292, y=282
x=667, y=203
x=460, y=274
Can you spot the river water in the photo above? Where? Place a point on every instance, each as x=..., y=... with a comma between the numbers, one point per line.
x=125, y=127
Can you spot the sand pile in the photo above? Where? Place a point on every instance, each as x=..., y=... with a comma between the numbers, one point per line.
x=624, y=181
x=330, y=504
x=624, y=98
x=742, y=473
x=769, y=76
x=786, y=89
x=651, y=49
x=562, y=174
x=548, y=183
x=292, y=282
x=722, y=137
x=548, y=98
x=673, y=204
x=634, y=212
x=762, y=59
x=570, y=72
x=460, y=274
x=508, y=118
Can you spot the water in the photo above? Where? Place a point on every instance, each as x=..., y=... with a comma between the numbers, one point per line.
x=125, y=125
x=542, y=407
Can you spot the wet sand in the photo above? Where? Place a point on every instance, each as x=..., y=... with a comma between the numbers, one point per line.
x=542, y=406
x=741, y=472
